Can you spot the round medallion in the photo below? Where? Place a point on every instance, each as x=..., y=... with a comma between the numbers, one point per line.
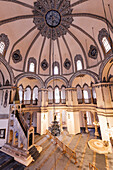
x=53, y=18
x=49, y=14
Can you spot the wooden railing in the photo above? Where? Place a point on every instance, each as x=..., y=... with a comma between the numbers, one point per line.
x=92, y=167
x=22, y=122
x=65, y=148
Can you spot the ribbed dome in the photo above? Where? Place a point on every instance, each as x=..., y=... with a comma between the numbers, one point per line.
x=70, y=27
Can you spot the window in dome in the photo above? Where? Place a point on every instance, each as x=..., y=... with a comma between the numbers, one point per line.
x=4, y=43
x=32, y=67
x=106, y=44
x=2, y=47
x=79, y=65
x=57, y=95
x=55, y=70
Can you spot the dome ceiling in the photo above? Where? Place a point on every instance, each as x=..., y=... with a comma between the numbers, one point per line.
x=66, y=28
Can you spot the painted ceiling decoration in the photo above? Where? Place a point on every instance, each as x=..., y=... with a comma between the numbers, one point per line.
x=44, y=64
x=16, y=56
x=93, y=52
x=51, y=18
x=74, y=27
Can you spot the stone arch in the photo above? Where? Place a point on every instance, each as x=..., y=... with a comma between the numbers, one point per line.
x=104, y=68
x=56, y=78
x=9, y=70
x=23, y=75
x=84, y=72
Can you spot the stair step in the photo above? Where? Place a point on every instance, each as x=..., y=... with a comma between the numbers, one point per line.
x=34, y=153
x=5, y=161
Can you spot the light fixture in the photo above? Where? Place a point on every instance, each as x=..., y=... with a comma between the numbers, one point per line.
x=55, y=127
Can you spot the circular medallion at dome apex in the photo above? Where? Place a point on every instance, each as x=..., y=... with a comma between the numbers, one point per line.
x=52, y=21
x=53, y=18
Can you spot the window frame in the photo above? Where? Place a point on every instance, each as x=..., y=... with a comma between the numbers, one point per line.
x=32, y=60
x=56, y=64
x=78, y=57
x=5, y=40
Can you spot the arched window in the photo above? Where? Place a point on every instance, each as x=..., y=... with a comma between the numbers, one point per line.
x=32, y=65
x=57, y=95
x=94, y=95
x=106, y=44
x=27, y=95
x=56, y=68
x=20, y=93
x=105, y=41
x=87, y=94
x=50, y=95
x=79, y=65
x=63, y=95
x=2, y=47
x=35, y=95
x=4, y=43
x=79, y=95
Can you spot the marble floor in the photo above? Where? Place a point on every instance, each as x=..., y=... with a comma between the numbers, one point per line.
x=52, y=158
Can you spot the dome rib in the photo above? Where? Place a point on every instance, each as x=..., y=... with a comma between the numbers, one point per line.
x=27, y=33
x=69, y=52
x=60, y=54
x=42, y=47
x=80, y=29
x=12, y=19
x=29, y=48
x=20, y=3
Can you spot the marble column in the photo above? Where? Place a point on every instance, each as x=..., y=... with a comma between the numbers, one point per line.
x=86, y=128
x=95, y=124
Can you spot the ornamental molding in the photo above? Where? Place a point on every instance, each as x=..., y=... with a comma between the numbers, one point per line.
x=93, y=53
x=4, y=38
x=16, y=56
x=51, y=18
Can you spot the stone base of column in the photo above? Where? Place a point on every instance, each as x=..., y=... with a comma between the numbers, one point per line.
x=96, y=134
x=86, y=131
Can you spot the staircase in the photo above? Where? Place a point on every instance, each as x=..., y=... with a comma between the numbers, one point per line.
x=34, y=153
x=22, y=122
x=7, y=163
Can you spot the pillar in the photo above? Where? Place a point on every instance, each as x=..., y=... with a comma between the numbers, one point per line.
x=76, y=122
x=70, y=123
x=103, y=127
x=75, y=101
x=86, y=128
x=69, y=97
x=96, y=127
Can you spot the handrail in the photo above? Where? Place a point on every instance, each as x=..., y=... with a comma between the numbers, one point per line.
x=22, y=122
x=92, y=167
x=64, y=147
